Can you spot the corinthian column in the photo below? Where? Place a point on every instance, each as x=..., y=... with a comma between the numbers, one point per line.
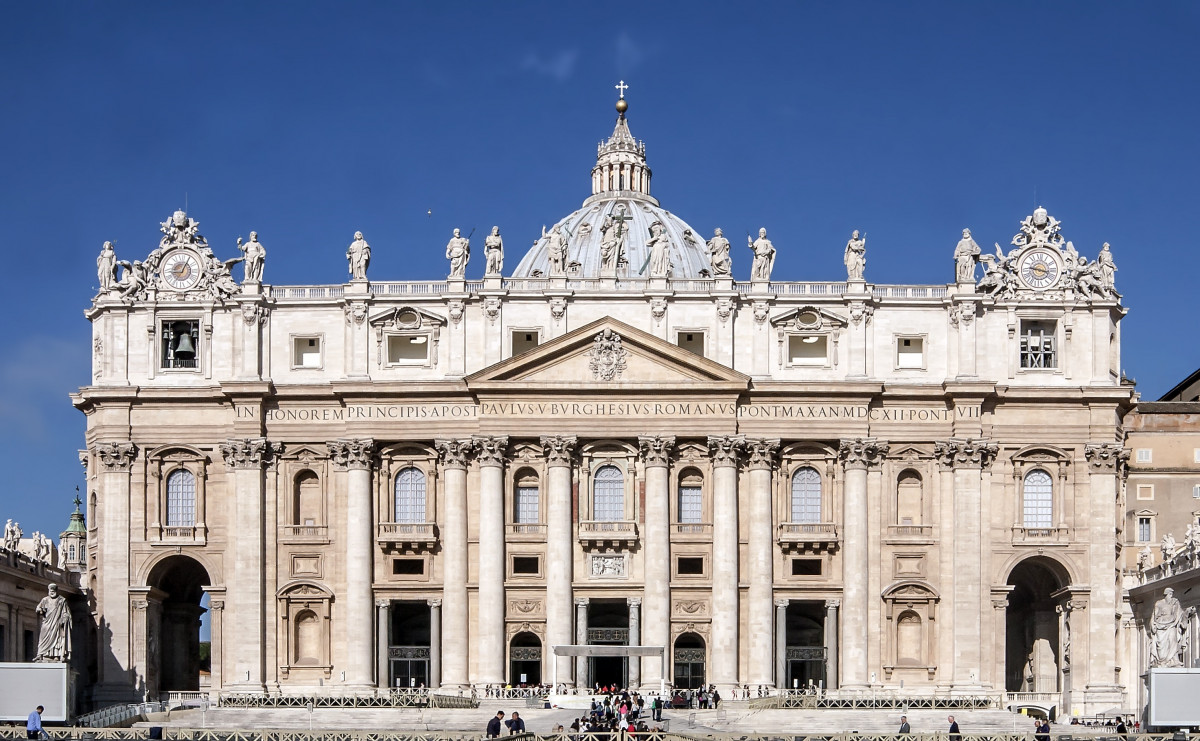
x=489, y=451
x=723, y=652
x=455, y=636
x=116, y=461
x=856, y=455
x=760, y=561
x=656, y=609
x=559, y=552
x=967, y=458
x=1106, y=466
x=354, y=456
x=245, y=458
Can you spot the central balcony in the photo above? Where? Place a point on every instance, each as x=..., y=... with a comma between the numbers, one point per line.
x=406, y=536
x=808, y=537
x=608, y=533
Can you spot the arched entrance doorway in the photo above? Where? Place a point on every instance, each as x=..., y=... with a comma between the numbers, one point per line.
x=173, y=609
x=688, y=660
x=1032, y=661
x=525, y=659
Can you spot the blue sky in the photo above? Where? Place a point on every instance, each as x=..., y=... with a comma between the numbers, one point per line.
x=306, y=121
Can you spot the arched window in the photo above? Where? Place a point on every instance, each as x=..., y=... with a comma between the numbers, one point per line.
x=306, y=505
x=1038, y=499
x=691, y=498
x=608, y=494
x=181, y=499
x=908, y=499
x=526, y=509
x=908, y=640
x=308, y=638
x=806, y=495
x=410, y=495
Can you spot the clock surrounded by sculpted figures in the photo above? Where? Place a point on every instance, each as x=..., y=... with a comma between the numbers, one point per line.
x=181, y=270
x=1040, y=269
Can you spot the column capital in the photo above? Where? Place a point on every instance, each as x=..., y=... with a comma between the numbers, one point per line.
x=782, y=603
x=116, y=456
x=353, y=454
x=656, y=450
x=490, y=451
x=762, y=453
x=725, y=450
x=247, y=452
x=633, y=601
x=1106, y=457
x=833, y=604
x=559, y=449
x=862, y=452
x=454, y=452
x=217, y=605
x=965, y=453
x=435, y=604
x=582, y=601
x=383, y=603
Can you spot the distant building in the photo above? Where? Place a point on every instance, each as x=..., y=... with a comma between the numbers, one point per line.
x=777, y=482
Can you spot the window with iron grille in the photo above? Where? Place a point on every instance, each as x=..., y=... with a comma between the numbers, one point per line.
x=608, y=494
x=410, y=495
x=181, y=499
x=527, y=504
x=1038, y=500
x=690, y=504
x=1038, y=345
x=806, y=495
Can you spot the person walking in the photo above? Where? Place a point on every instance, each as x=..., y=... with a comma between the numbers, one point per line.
x=33, y=726
x=904, y=727
x=493, y=726
x=955, y=734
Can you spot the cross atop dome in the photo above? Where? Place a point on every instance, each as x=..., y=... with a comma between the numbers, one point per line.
x=622, y=87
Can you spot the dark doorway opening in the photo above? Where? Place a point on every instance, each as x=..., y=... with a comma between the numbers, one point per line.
x=1031, y=653
x=408, y=644
x=688, y=660
x=608, y=625
x=173, y=654
x=805, y=639
x=525, y=659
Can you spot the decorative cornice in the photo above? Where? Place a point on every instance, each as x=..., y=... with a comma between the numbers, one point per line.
x=454, y=452
x=490, y=451
x=965, y=453
x=656, y=449
x=862, y=452
x=249, y=452
x=1106, y=457
x=726, y=450
x=559, y=449
x=116, y=456
x=352, y=454
x=762, y=453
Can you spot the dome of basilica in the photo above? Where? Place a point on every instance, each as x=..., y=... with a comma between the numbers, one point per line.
x=608, y=236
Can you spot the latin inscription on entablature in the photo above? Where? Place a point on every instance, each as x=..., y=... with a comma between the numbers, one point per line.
x=363, y=412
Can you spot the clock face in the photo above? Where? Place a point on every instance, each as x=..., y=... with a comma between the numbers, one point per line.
x=1039, y=269
x=181, y=270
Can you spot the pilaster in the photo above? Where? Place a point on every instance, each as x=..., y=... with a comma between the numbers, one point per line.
x=857, y=454
x=115, y=661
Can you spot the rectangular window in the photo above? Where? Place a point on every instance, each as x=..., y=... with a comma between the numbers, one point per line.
x=306, y=352
x=690, y=504
x=1143, y=529
x=526, y=565
x=180, y=340
x=806, y=567
x=1196, y=455
x=1145, y=491
x=1038, y=345
x=910, y=353
x=407, y=349
x=691, y=341
x=689, y=566
x=1145, y=455
x=810, y=349
x=1196, y=491
x=524, y=340
x=527, y=504
x=408, y=566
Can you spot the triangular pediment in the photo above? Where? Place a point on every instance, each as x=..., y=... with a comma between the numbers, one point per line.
x=611, y=354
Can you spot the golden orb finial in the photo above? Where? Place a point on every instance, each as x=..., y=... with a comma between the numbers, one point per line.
x=622, y=106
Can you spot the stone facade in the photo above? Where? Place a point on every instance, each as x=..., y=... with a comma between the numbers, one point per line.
x=845, y=483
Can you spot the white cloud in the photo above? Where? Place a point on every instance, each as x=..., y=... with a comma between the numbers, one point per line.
x=558, y=66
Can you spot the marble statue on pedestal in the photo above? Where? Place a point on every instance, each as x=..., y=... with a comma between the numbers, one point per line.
x=718, y=255
x=1108, y=269
x=12, y=535
x=1168, y=632
x=493, y=253
x=458, y=252
x=556, y=249
x=764, y=256
x=255, y=254
x=612, y=242
x=855, y=257
x=54, y=641
x=966, y=255
x=1145, y=558
x=359, y=256
x=659, y=245
x=106, y=268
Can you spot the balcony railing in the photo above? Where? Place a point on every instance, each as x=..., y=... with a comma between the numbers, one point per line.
x=692, y=530
x=910, y=533
x=175, y=532
x=406, y=535
x=304, y=533
x=614, y=533
x=808, y=536
x=526, y=530
x=1040, y=535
